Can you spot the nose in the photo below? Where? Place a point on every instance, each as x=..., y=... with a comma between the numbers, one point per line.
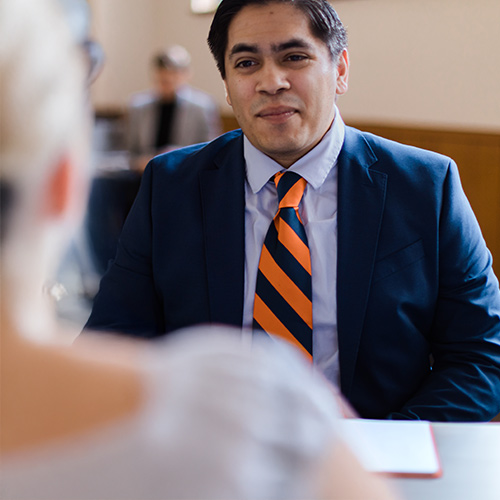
x=272, y=79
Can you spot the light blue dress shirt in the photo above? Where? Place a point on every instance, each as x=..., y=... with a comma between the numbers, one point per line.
x=318, y=210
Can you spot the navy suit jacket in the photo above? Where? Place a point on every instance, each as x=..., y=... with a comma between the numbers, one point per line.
x=418, y=303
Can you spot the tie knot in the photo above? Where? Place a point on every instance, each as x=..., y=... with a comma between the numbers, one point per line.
x=290, y=188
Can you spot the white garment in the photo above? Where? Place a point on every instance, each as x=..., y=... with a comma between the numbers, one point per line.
x=221, y=420
x=318, y=211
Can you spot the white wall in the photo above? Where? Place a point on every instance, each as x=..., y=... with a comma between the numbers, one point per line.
x=415, y=62
x=430, y=62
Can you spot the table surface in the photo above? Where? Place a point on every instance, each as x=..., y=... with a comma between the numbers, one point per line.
x=470, y=460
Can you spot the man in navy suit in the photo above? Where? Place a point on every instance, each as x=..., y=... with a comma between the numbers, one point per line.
x=406, y=308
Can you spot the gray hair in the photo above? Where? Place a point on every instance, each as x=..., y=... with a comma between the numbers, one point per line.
x=42, y=93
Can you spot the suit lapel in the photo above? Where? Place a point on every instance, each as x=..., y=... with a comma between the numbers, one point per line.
x=361, y=198
x=223, y=205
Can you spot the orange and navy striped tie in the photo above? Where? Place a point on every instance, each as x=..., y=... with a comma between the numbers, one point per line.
x=283, y=296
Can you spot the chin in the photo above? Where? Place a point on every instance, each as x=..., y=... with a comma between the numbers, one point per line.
x=284, y=148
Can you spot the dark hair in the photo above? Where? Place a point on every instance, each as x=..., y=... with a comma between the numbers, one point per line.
x=324, y=23
x=6, y=202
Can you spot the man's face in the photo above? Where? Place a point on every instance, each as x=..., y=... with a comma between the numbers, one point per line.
x=281, y=80
x=167, y=81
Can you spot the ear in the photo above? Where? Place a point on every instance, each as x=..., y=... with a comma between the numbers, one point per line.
x=59, y=189
x=226, y=91
x=343, y=73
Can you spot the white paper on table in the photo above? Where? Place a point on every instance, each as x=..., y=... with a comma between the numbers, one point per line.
x=396, y=447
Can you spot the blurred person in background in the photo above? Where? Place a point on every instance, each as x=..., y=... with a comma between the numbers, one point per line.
x=202, y=415
x=173, y=113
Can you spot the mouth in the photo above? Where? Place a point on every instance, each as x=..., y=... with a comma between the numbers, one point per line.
x=276, y=114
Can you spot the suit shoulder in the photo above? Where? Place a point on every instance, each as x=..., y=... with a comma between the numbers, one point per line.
x=197, y=97
x=388, y=149
x=194, y=158
x=400, y=161
x=141, y=99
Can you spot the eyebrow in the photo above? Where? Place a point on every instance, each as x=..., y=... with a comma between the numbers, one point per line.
x=294, y=43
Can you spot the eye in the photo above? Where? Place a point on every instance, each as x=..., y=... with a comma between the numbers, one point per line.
x=296, y=57
x=245, y=63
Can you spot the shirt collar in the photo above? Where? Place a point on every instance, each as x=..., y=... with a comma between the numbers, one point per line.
x=314, y=166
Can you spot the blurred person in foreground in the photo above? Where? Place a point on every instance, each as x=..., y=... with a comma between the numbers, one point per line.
x=173, y=113
x=199, y=416
x=393, y=295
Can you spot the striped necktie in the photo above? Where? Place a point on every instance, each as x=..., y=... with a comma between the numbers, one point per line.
x=283, y=296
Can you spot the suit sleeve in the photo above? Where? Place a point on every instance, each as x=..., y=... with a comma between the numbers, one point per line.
x=127, y=301
x=464, y=383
